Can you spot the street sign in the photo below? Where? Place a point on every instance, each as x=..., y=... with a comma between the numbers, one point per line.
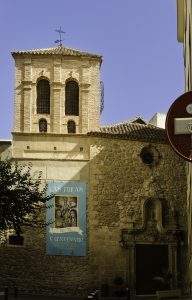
x=179, y=126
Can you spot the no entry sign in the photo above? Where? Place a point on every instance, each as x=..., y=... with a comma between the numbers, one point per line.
x=179, y=126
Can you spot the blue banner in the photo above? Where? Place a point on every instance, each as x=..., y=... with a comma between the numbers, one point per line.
x=66, y=218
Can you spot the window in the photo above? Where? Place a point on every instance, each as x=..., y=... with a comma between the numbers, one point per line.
x=43, y=97
x=71, y=127
x=147, y=156
x=16, y=240
x=42, y=125
x=72, y=98
x=150, y=155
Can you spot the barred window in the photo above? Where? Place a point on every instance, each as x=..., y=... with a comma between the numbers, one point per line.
x=71, y=126
x=42, y=125
x=43, y=97
x=72, y=98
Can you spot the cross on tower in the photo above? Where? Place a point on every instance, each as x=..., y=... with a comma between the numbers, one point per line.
x=60, y=32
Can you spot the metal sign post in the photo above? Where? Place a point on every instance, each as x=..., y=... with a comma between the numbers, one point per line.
x=179, y=132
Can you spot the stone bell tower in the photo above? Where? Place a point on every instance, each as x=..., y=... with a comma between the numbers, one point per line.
x=57, y=90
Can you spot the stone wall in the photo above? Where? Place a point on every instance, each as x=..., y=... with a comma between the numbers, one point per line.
x=119, y=186
x=28, y=266
x=50, y=147
x=32, y=271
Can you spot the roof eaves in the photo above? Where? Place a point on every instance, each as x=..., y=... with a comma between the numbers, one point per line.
x=57, y=51
x=159, y=138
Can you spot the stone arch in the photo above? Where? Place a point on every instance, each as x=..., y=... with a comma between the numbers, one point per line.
x=43, y=95
x=42, y=125
x=71, y=97
x=71, y=126
x=156, y=213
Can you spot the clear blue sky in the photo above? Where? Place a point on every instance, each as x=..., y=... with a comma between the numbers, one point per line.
x=143, y=65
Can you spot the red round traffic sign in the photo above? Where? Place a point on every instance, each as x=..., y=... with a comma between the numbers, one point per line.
x=179, y=126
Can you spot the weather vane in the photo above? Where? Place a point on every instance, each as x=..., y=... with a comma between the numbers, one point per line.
x=60, y=33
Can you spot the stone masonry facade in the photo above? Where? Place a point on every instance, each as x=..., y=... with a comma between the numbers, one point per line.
x=57, y=69
x=119, y=185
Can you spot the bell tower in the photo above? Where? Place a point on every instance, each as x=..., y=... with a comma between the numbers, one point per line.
x=57, y=91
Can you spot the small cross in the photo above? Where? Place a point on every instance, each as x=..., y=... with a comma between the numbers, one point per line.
x=60, y=32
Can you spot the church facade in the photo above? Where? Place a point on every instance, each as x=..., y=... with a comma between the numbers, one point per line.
x=119, y=192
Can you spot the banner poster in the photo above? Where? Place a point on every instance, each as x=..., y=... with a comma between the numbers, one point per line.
x=66, y=218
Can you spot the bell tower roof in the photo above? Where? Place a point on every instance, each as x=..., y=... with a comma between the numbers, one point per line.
x=59, y=50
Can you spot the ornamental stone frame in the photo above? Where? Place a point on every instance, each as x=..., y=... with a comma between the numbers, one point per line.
x=137, y=239
x=152, y=234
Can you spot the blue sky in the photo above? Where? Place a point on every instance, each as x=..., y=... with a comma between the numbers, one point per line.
x=142, y=61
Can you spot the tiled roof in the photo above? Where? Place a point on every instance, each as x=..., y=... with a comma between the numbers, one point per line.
x=61, y=50
x=5, y=142
x=132, y=131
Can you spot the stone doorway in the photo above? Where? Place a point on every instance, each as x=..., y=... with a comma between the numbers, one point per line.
x=151, y=261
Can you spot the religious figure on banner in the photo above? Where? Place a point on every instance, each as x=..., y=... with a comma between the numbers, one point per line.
x=66, y=211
